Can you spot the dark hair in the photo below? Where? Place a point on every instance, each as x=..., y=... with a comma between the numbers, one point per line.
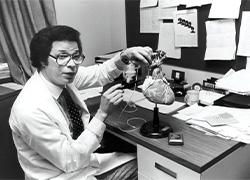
x=41, y=43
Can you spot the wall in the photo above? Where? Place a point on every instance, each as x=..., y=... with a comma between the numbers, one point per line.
x=192, y=60
x=191, y=75
x=101, y=23
x=103, y=29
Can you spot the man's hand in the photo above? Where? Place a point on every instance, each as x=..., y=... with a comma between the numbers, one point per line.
x=112, y=97
x=138, y=55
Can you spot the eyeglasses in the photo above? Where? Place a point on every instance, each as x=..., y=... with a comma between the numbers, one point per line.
x=63, y=59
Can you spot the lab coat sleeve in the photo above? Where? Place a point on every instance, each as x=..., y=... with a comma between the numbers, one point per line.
x=97, y=75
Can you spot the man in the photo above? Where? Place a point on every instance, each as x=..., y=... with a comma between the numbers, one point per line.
x=51, y=142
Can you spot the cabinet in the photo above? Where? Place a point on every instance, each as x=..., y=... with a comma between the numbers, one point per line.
x=154, y=166
x=10, y=168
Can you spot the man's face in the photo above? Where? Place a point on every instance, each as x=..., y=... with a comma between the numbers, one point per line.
x=61, y=74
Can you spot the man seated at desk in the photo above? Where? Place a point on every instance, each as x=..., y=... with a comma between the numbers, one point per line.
x=50, y=123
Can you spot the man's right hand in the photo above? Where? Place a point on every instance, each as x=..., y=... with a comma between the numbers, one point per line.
x=110, y=98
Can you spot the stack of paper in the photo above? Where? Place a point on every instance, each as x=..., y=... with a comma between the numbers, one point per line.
x=10, y=87
x=237, y=82
x=4, y=71
x=236, y=124
x=208, y=97
x=91, y=92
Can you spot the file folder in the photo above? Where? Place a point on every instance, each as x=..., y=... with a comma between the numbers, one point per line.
x=234, y=100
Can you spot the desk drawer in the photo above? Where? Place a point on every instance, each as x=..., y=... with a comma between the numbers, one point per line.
x=155, y=166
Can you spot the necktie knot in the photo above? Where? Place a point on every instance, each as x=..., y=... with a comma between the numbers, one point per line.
x=66, y=94
x=74, y=114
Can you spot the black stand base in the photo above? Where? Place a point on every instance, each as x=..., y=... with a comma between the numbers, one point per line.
x=155, y=129
x=160, y=131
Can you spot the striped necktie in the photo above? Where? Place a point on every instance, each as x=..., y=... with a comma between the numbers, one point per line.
x=74, y=114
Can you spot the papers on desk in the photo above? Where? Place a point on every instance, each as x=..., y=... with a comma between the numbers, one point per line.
x=91, y=92
x=237, y=82
x=220, y=119
x=10, y=87
x=139, y=99
x=136, y=97
x=238, y=130
x=4, y=71
x=208, y=97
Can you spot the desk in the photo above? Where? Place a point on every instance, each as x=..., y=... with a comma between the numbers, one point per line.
x=201, y=156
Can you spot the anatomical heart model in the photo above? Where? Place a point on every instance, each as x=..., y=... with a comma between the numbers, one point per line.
x=157, y=90
x=156, y=87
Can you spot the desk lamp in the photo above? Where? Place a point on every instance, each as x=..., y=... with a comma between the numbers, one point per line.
x=157, y=90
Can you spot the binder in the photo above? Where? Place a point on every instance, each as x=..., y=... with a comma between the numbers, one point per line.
x=234, y=100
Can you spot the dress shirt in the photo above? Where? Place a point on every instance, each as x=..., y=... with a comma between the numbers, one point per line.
x=40, y=128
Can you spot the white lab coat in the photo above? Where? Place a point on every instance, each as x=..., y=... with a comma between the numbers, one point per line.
x=42, y=137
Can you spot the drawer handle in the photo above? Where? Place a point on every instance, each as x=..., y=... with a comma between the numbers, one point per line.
x=166, y=170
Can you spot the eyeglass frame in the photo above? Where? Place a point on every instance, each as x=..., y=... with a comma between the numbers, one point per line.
x=70, y=55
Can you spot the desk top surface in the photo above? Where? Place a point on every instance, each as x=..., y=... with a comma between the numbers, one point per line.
x=199, y=151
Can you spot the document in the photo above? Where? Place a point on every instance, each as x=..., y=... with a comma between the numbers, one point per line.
x=220, y=119
x=166, y=41
x=170, y=3
x=188, y=112
x=248, y=63
x=4, y=71
x=140, y=100
x=148, y=3
x=166, y=12
x=208, y=97
x=185, y=26
x=164, y=109
x=244, y=40
x=132, y=95
x=149, y=22
x=188, y=3
x=12, y=86
x=91, y=92
x=221, y=43
x=197, y=3
x=225, y=9
x=236, y=82
x=239, y=131
x=241, y=115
